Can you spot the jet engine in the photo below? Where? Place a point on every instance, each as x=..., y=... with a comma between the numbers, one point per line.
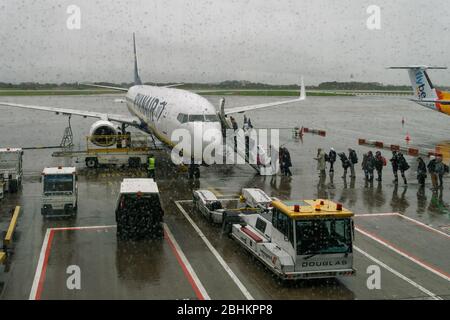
x=103, y=133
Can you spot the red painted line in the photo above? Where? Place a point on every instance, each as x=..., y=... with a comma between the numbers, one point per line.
x=403, y=252
x=183, y=266
x=49, y=245
x=44, y=266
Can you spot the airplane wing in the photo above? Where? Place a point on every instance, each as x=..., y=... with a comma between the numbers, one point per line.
x=106, y=87
x=266, y=105
x=173, y=85
x=103, y=116
x=431, y=100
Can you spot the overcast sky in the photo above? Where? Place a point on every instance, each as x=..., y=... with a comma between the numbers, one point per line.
x=216, y=40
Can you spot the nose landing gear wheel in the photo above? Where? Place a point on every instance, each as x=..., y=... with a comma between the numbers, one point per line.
x=91, y=163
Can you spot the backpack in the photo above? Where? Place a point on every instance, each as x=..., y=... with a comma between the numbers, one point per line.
x=384, y=161
x=446, y=169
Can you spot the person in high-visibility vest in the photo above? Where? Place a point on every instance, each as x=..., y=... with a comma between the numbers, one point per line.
x=151, y=167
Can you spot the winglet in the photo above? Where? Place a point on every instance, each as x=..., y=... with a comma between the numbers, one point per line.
x=302, y=90
x=137, y=79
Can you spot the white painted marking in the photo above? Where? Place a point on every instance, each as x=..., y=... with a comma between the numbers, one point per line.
x=376, y=214
x=425, y=225
x=404, y=254
x=187, y=264
x=404, y=217
x=222, y=262
x=398, y=274
x=37, y=275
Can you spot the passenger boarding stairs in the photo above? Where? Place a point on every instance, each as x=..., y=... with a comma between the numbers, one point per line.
x=242, y=153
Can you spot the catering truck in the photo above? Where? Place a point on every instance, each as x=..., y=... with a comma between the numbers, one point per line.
x=118, y=150
x=11, y=169
x=301, y=239
x=59, y=192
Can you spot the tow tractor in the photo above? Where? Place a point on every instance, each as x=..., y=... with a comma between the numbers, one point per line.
x=139, y=214
x=59, y=192
x=299, y=240
x=11, y=169
x=117, y=149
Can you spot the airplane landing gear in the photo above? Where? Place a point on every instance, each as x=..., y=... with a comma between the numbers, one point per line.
x=194, y=171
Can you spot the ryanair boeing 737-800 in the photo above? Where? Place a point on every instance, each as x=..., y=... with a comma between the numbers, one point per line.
x=161, y=110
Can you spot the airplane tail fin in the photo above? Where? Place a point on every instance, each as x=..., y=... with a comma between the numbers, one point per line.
x=137, y=79
x=420, y=81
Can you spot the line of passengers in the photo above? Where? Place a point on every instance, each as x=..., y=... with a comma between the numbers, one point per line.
x=371, y=163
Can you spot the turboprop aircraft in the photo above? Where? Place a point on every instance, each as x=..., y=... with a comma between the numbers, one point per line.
x=160, y=111
x=425, y=93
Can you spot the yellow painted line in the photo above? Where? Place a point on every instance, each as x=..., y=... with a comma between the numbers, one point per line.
x=2, y=257
x=12, y=226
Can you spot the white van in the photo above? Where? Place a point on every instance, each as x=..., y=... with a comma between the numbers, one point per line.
x=59, y=192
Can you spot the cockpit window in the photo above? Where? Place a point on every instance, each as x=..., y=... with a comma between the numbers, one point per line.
x=211, y=118
x=196, y=118
x=183, y=118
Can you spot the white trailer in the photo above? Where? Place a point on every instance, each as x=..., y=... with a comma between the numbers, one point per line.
x=255, y=198
x=309, y=239
x=251, y=200
x=59, y=192
x=11, y=171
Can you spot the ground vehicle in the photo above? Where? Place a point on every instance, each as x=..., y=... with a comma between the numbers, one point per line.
x=11, y=168
x=139, y=214
x=59, y=192
x=255, y=198
x=302, y=240
x=119, y=149
x=207, y=203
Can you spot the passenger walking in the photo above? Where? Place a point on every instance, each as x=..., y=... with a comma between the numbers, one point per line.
x=234, y=123
x=280, y=157
x=380, y=162
x=421, y=171
x=321, y=164
x=249, y=123
x=332, y=159
x=345, y=163
x=353, y=160
x=402, y=166
x=287, y=162
x=439, y=168
x=394, y=162
x=432, y=170
x=368, y=165
x=151, y=167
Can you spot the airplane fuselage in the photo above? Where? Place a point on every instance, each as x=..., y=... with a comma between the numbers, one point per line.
x=164, y=110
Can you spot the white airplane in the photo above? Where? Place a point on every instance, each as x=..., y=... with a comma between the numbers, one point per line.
x=425, y=93
x=161, y=110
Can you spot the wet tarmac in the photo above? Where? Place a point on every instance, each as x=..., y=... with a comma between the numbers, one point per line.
x=403, y=229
